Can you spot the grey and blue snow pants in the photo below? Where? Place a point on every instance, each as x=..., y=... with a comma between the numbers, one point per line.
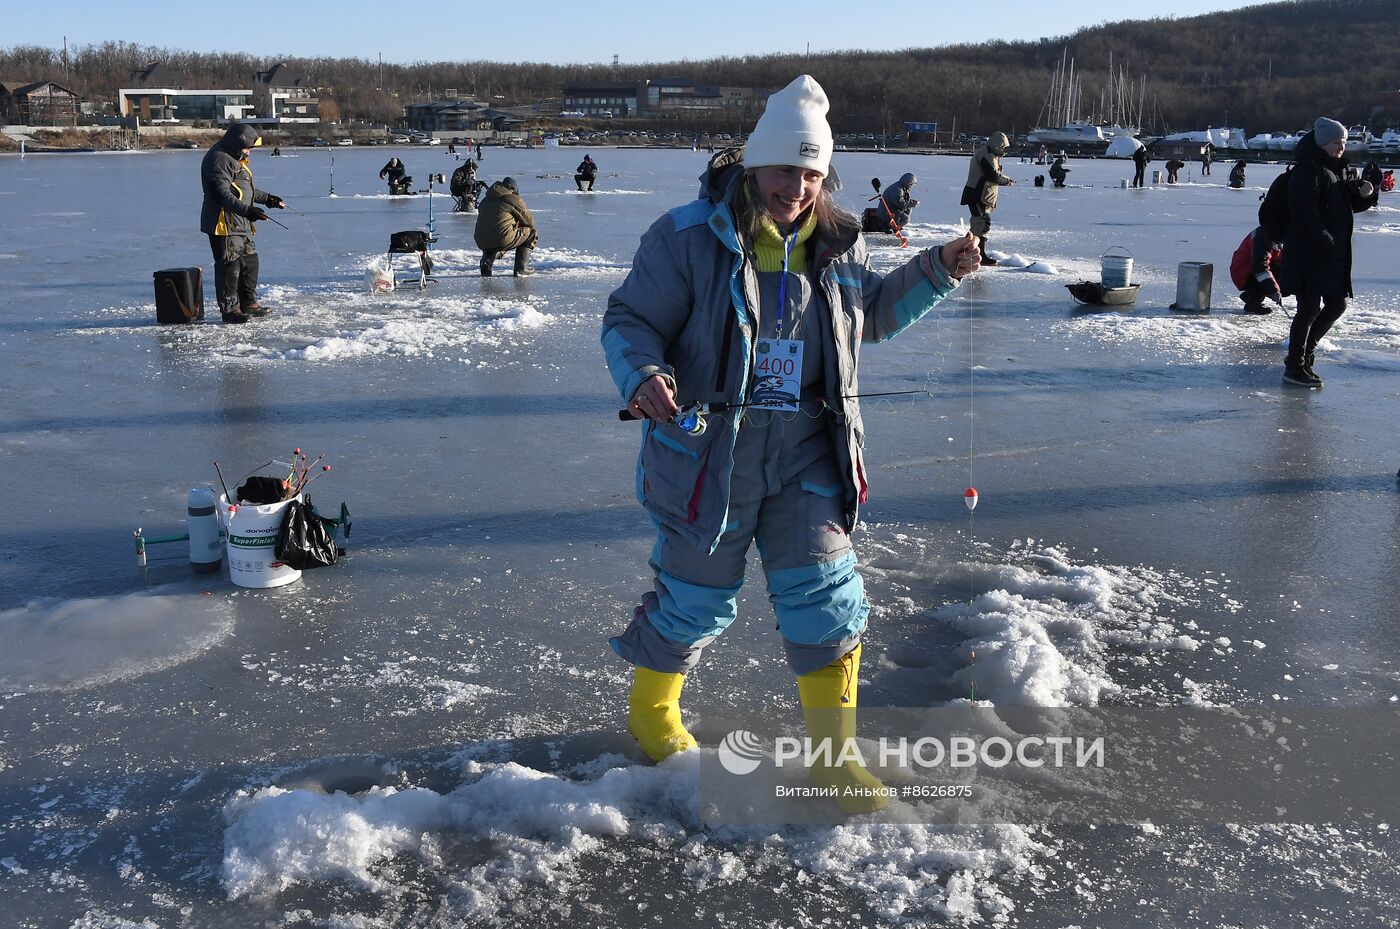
x=817, y=593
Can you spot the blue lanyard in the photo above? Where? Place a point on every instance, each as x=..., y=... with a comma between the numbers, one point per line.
x=788, y=243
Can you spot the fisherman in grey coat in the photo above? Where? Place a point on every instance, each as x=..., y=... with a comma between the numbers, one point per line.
x=231, y=205
x=757, y=296
x=897, y=202
x=984, y=181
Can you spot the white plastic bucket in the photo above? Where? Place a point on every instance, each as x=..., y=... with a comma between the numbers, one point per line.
x=1117, y=270
x=1123, y=183
x=380, y=276
x=1193, y=283
x=1156, y=177
x=252, y=544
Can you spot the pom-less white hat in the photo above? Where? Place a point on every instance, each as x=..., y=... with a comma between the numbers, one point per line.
x=793, y=129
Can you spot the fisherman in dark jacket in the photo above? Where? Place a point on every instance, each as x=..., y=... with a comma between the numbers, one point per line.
x=1237, y=175
x=1173, y=166
x=1059, y=170
x=1140, y=160
x=984, y=180
x=231, y=205
x=587, y=171
x=897, y=203
x=1322, y=196
x=505, y=222
x=397, y=175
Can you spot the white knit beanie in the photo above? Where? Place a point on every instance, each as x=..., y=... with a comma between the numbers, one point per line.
x=793, y=129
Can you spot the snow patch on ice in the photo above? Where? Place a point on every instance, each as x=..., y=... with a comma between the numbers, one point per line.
x=1370, y=323
x=418, y=325
x=1046, y=630
x=96, y=919
x=542, y=827
x=62, y=644
x=618, y=191
x=468, y=261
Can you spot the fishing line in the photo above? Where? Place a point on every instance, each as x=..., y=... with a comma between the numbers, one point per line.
x=970, y=495
x=314, y=241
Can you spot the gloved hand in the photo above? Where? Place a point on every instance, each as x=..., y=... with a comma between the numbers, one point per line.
x=1274, y=294
x=257, y=214
x=275, y=202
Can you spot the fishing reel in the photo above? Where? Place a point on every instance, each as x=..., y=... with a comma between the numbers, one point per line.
x=692, y=422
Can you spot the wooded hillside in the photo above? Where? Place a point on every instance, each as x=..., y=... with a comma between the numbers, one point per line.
x=1273, y=66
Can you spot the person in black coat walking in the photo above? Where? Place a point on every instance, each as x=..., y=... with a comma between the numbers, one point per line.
x=1322, y=196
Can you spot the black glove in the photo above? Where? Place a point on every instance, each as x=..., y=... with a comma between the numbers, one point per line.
x=275, y=202
x=256, y=214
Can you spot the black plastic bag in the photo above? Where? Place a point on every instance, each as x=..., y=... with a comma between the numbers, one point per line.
x=305, y=541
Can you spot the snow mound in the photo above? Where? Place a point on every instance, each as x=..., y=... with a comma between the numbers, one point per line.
x=1041, y=267
x=1044, y=630
x=541, y=828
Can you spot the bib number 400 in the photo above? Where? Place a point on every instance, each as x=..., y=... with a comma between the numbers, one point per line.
x=783, y=367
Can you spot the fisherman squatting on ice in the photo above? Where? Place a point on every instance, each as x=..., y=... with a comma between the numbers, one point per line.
x=232, y=204
x=764, y=266
x=504, y=222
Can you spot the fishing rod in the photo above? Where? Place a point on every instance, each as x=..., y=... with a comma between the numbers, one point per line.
x=691, y=418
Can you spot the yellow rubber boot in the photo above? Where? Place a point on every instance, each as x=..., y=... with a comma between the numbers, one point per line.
x=829, y=707
x=654, y=714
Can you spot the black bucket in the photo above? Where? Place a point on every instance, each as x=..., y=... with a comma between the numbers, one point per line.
x=179, y=295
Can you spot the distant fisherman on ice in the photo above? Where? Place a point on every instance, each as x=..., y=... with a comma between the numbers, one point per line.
x=984, y=180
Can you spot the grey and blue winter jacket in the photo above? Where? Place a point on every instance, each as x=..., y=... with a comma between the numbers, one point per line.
x=684, y=312
x=228, y=184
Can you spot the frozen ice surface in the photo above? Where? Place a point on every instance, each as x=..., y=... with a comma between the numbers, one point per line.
x=433, y=731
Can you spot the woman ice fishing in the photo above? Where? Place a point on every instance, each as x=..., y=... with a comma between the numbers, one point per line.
x=758, y=295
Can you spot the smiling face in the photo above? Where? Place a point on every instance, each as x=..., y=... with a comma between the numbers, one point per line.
x=787, y=192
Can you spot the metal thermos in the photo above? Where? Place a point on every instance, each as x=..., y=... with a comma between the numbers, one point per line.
x=206, y=542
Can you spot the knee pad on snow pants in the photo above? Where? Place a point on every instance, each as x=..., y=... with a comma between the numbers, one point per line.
x=817, y=594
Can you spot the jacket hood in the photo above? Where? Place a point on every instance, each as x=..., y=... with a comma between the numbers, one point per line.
x=238, y=137
x=999, y=143
x=907, y=181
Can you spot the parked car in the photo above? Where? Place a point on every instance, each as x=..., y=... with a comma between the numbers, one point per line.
x=430, y=140
x=344, y=141
x=399, y=140
x=318, y=141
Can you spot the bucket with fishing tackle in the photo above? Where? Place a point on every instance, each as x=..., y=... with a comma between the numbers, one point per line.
x=274, y=531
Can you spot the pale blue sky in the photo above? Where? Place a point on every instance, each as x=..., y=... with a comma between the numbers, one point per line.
x=553, y=31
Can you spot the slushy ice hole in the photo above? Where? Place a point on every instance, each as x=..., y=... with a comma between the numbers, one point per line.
x=352, y=776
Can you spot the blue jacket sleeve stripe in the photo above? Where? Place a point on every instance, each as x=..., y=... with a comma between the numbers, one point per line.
x=624, y=375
